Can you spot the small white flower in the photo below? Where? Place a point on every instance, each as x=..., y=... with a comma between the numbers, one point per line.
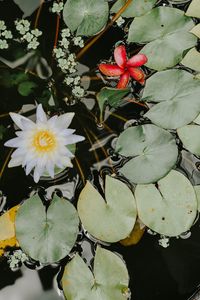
x=78, y=91
x=7, y=34
x=57, y=7
x=64, y=43
x=59, y=52
x=63, y=63
x=120, y=21
x=77, y=80
x=33, y=44
x=3, y=44
x=68, y=80
x=72, y=70
x=65, y=32
x=42, y=145
x=164, y=242
x=28, y=37
x=78, y=41
x=36, y=32
x=2, y=25
x=22, y=26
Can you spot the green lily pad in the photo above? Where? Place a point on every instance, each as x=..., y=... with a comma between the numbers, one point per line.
x=166, y=30
x=110, y=96
x=189, y=135
x=108, y=281
x=112, y=220
x=29, y=6
x=87, y=17
x=192, y=60
x=197, y=191
x=197, y=120
x=177, y=95
x=135, y=9
x=153, y=149
x=194, y=9
x=47, y=235
x=169, y=207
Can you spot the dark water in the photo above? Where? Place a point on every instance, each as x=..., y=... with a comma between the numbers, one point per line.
x=155, y=273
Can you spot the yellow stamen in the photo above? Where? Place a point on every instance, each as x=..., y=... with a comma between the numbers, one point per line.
x=44, y=141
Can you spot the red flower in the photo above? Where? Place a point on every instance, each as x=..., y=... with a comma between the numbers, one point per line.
x=125, y=68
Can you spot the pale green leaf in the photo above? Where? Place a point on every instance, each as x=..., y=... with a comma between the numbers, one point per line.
x=196, y=30
x=170, y=207
x=87, y=17
x=136, y=7
x=177, y=97
x=110, y=220
x=192, y=60
x=28, y=6
x=194, y=9
x=47, y=235
x=109, y=280
x=197, y=191
x=166, y=30
x=153, y=149
x=190, y=137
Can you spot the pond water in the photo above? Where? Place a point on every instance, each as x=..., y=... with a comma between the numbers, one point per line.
x=155, y=272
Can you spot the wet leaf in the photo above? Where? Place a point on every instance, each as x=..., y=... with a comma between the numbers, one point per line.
x=169, y=207
x=112, y=220
x=47, y=236
x=86, y=17
x=28, y=6
x=108, y=281
x=189, y=135
x=110, y=96
x=194, y=9
x=135, y=9
x=135, y=235
x=153, y=149
x=192, y=60
x=178, y=105
x=7, y=229
x=196, y=30
x=26, y=88
x=166, y=30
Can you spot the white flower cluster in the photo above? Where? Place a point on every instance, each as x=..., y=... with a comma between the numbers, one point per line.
x=120, y=21
x=16, y=259
x=30, y=36
x=4, y=35
x=164, y=242
x=67, y=61
x=57, y=7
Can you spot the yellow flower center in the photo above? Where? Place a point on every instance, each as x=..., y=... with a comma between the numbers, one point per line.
x=44, y=141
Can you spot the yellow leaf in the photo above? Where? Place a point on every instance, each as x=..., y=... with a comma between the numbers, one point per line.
x=135, y=235
x=7, y=229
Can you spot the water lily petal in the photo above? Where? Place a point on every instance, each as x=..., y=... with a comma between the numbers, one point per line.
x=15, y=162
x=30, y=165
x=137, y=74
x=120, y=56
x=50, y=169
x=124, y=80
x=137, y=60
x=21, y=121
x=142, y=81
x=111, y=70
x=13, y=143
x=64, y=120
x=40, y=114
x=74, y=138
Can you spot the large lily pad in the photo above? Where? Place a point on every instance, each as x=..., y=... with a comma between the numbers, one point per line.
x=190, y=137
x=109, y=280
x=153, y=149
x=178, y=96
x=135, y=9
x=166, y=30
x=169, y=207
x=112, y=220
x=47, y=235
x=87, y=17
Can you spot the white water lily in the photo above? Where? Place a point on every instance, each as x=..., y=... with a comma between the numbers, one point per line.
x=43, y=145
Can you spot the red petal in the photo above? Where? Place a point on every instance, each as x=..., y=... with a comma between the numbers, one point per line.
x=124, y=80
x=137, y=74
x=110, y=70
x=120, y=56
x=142, y=81
x=137, y=60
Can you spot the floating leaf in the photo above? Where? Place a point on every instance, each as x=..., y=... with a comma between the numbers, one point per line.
x=169, y=207
x=153, y=149
x=194, y=9
x=28, y=6
x=112, y=220
x=109, y=279
x=197, y=191
x=47, y=235
x=7, y=229
x=167, y=31
x=110, y=96
x=196, y=30
x=135, y=235
x=178, y=96
x=26, y=88
x=88, y=17
x=197, y=120
x=192, y=60
x=136, y=8
x=189, y=135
